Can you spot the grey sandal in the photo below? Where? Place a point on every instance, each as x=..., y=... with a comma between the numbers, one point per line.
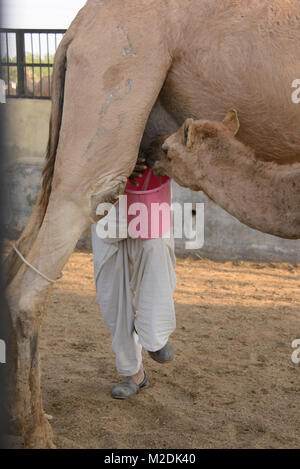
x=128, y=388
x=166, y=354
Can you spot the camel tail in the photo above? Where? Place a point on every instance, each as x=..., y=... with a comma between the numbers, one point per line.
x=57, y=92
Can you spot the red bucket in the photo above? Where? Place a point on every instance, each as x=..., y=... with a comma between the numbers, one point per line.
x=149, y=206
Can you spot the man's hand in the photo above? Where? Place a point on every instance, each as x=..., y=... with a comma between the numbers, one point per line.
x=139, y=170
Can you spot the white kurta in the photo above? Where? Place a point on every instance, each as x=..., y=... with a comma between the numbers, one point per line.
x=135, y=283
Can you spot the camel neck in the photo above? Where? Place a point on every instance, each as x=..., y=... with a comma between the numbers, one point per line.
x=262, y=195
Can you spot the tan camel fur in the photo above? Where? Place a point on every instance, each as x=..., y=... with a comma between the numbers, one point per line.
x=176, y=58
x=205, y=155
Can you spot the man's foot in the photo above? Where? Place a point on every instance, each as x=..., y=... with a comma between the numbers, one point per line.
x=129, y=387
x=166, y=354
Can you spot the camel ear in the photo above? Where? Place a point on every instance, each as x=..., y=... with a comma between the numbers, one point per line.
x=189, y=133
x=232, y=122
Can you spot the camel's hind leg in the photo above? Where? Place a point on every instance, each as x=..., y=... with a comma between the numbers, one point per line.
x=28, y=295
x=100, y=134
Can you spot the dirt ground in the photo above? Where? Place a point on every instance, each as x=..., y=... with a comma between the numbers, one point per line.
x=232, y=384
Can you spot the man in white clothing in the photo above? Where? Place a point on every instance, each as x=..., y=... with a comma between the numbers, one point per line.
x=135, y=283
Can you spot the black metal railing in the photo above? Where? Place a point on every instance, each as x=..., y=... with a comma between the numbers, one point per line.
x=26, y=63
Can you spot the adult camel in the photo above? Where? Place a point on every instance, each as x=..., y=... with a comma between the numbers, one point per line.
x=180, y=58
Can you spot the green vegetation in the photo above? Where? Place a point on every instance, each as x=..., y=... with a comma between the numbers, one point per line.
x=29, y=60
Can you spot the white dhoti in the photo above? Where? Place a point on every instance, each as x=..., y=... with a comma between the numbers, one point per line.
x=135, y=283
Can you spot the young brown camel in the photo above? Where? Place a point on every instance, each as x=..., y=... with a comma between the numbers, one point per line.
x=180, y=58
x=205, y=155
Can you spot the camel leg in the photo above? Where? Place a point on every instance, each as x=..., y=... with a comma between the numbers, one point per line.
x=61, y=228
x=99, y=139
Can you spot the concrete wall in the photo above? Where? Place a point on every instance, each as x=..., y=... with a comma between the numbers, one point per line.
x=226, y=238
x=25, y=142
x=26, y=123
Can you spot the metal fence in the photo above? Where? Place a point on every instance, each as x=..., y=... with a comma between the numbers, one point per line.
x=26, y=64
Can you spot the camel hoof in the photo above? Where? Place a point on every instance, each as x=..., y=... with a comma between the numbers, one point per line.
x=41, y=437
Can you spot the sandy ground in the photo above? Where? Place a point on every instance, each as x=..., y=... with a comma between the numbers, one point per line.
x=232, y=385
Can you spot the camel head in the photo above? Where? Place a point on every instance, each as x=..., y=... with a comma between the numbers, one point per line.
x=180, y=155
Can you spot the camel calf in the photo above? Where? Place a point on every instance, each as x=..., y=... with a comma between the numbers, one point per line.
x=205, y=155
